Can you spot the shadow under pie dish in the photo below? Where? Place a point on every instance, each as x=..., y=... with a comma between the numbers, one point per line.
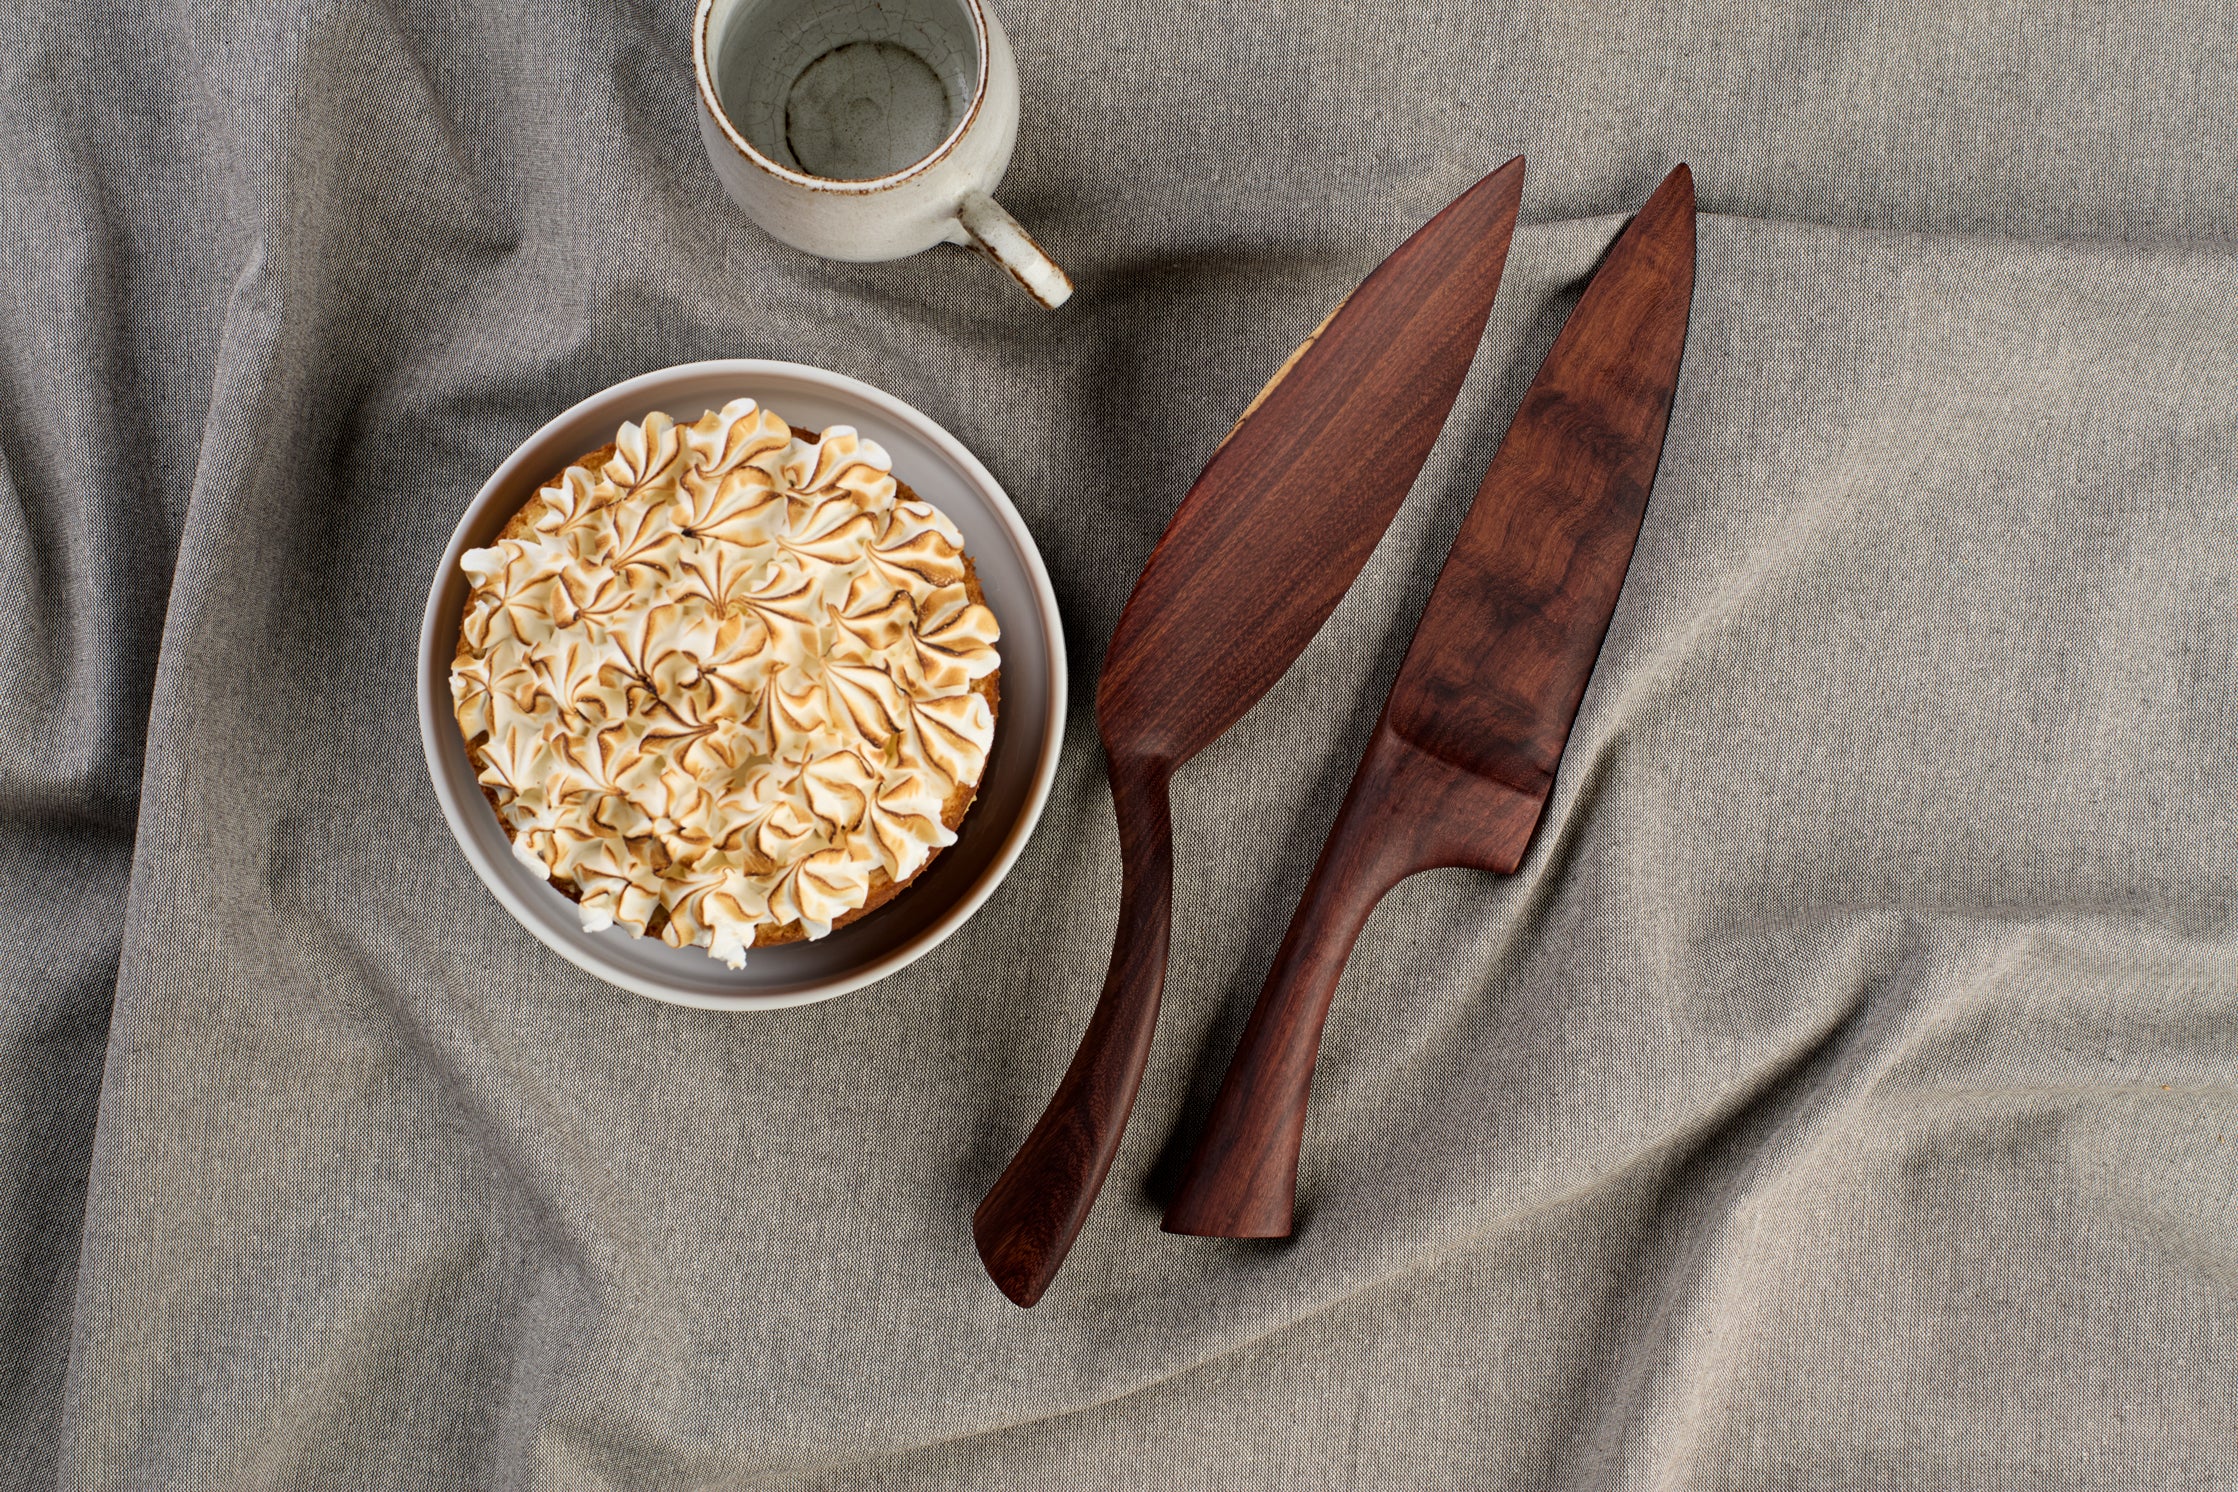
x=731, y=681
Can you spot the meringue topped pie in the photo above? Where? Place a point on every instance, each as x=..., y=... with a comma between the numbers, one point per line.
x=729, y=682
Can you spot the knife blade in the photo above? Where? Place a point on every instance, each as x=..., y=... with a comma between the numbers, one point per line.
x=1463, y=758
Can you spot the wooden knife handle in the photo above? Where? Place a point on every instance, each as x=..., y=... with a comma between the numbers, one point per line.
x=1028, y=1220
x=1405, y=811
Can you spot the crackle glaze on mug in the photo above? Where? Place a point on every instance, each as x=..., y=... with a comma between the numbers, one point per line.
x=790, y=88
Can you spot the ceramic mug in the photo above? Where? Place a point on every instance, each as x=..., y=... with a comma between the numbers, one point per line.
x=867, y=129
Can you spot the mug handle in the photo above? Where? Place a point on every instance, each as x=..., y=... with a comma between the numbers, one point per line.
x=995, y=233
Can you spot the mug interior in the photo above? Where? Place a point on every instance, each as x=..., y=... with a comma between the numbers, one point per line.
x=845, y=90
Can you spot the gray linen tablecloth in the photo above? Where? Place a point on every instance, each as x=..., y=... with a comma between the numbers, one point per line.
x=1841, y=1096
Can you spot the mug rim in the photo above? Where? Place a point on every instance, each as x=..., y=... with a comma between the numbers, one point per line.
x=703, y=78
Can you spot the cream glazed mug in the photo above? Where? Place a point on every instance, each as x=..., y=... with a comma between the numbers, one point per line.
x=867, y=129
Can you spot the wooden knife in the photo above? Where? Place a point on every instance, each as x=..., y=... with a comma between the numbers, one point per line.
x=1257, y=556
x=1461, y=762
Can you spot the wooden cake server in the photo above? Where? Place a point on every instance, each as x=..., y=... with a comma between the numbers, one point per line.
x=1461, y=762
x=1261, y=550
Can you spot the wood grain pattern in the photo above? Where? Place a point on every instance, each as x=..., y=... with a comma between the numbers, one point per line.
x=1464, y=755
x=1258, y=554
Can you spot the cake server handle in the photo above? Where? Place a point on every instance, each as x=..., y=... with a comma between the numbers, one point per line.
x=1027, y=1223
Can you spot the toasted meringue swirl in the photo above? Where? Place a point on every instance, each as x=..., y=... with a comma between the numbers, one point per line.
x=727, y=676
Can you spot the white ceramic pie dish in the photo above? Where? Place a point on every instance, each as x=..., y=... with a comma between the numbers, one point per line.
x=1029, y=727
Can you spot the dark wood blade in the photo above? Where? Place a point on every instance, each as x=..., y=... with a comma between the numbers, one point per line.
x=1259, y=553
x=1276, y=529
x=1506, y=644
x=1459, y=767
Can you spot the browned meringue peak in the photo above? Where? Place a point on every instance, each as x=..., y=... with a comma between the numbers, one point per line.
x=727, y=674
